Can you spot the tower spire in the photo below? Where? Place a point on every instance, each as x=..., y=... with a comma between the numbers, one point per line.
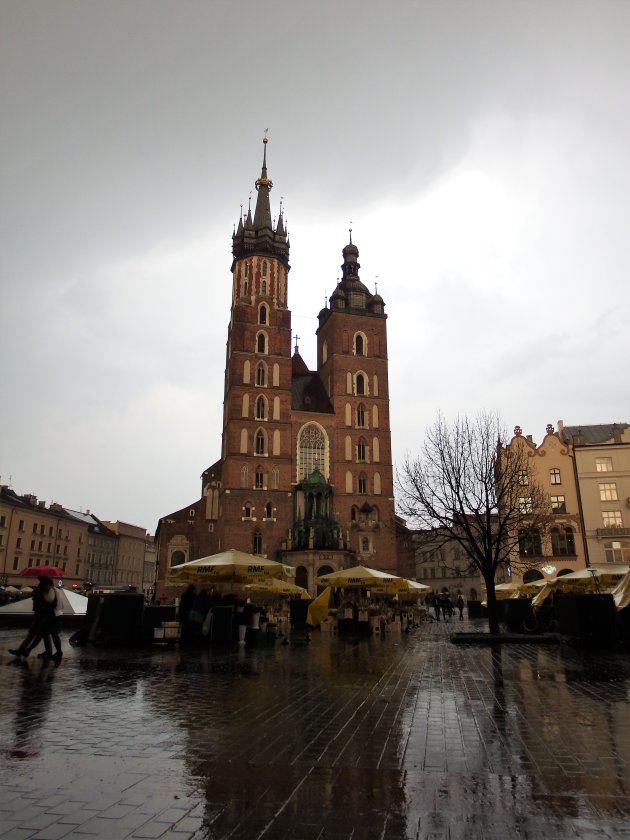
x=262, y=214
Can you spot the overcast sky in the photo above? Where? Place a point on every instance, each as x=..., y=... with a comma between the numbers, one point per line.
x=480, y=149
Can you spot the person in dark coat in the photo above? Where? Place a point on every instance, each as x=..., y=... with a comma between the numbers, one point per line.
x=44, y=625
x=185, y=606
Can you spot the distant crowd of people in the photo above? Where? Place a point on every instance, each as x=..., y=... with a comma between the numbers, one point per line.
x=443, y=606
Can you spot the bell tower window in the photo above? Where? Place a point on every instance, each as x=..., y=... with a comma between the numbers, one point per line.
x=264, y=269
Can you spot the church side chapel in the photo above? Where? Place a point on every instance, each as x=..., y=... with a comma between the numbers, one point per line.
x=305, y=474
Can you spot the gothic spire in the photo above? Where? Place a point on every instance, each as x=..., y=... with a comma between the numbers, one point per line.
x=262, y=214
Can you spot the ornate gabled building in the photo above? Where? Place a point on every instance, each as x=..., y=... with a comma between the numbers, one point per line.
x=305, y=473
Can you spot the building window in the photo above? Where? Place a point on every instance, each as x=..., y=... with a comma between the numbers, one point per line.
x=529, y=544
x=360, y=384
x=263, y=287
x=562, y=542
x=18, y=542
x=359, y=345
x=262, y=314
x=261, y=343
x=525, y=504
x=554, y=476
x=3, y=521
x=603, y=464
x=177, y=558
x=361, y=450
x=523, y=478
x=21, y=525
x=312, y=449
x=259, y=479
x=363, y=488
x=261, y=374
x=612, y=518
x=558, y=504
x=34, y=527
x=261, y=443
x=353, y=514
x=247, y=511
x=16, y=563
x=32, y=545
x=268, y=511
x=365, y=544
x=608, y=492
x=361, y=416
x=617, y=552
x=192, y=512
x=257, y=543
x=261, y=408
x=264, y=268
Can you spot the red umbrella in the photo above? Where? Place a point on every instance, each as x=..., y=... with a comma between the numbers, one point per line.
x=42, y=571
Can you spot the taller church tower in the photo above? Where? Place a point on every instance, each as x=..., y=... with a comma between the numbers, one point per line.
x=256, y=448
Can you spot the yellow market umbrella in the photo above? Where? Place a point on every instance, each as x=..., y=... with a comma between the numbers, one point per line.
x=229, y=566
x=400, y=586
x=605, y=576
x=275, y=586
x=318, y=609
x=357, y=577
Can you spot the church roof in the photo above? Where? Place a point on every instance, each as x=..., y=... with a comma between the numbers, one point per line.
x=307, y=389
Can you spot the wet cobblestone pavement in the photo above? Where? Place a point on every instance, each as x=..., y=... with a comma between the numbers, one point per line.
x=383, y=738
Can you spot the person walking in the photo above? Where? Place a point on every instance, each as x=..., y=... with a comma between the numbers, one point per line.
x=460, y=606
x=44, y=625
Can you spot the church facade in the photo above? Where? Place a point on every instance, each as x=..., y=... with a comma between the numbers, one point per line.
x=305, y=471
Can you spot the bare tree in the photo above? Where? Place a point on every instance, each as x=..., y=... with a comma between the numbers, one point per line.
x=468, y=488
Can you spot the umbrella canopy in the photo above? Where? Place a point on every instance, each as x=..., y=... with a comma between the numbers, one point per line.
x=357, y=576
x=71, y=602
x=42, y=571
x=401, y=586
x=12, y=589
x=229, y=566
x=275, y=586
x=613, y=572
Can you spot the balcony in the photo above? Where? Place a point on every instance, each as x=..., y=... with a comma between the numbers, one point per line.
x=615, y=531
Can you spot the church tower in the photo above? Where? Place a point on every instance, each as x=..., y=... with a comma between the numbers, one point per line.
x=353, y=366
x=255, y=457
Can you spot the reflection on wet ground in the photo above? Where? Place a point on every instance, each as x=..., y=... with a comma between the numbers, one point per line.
x=339, y=738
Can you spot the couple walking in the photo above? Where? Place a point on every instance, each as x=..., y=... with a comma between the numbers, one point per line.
x=45, y=625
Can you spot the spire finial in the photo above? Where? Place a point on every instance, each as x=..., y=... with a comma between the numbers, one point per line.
x=351, y=233
x=297, y=338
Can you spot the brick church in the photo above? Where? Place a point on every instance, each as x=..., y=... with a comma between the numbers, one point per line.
x=305, y=473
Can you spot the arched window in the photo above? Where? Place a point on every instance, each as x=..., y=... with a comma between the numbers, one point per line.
x=365, y=544
x=244, y=476
x=259, y=479
x=264, y=268
x=360, y=383
x=261, y=374
x=268, y=511
x=529, y=544
x=359, y=345
x=257, y=543
x=361, y=449
x=261, y=408
x=562, y=542
x=261, y=343
x=177, y=558
x=263, y=287
x=247, y=510
x=353, y=514
x=263, y=313
x=261, y=442
x=363, y=484
x=361, y=416
x=311, y=451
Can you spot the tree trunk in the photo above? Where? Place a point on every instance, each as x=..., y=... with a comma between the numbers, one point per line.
x=492, y=605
